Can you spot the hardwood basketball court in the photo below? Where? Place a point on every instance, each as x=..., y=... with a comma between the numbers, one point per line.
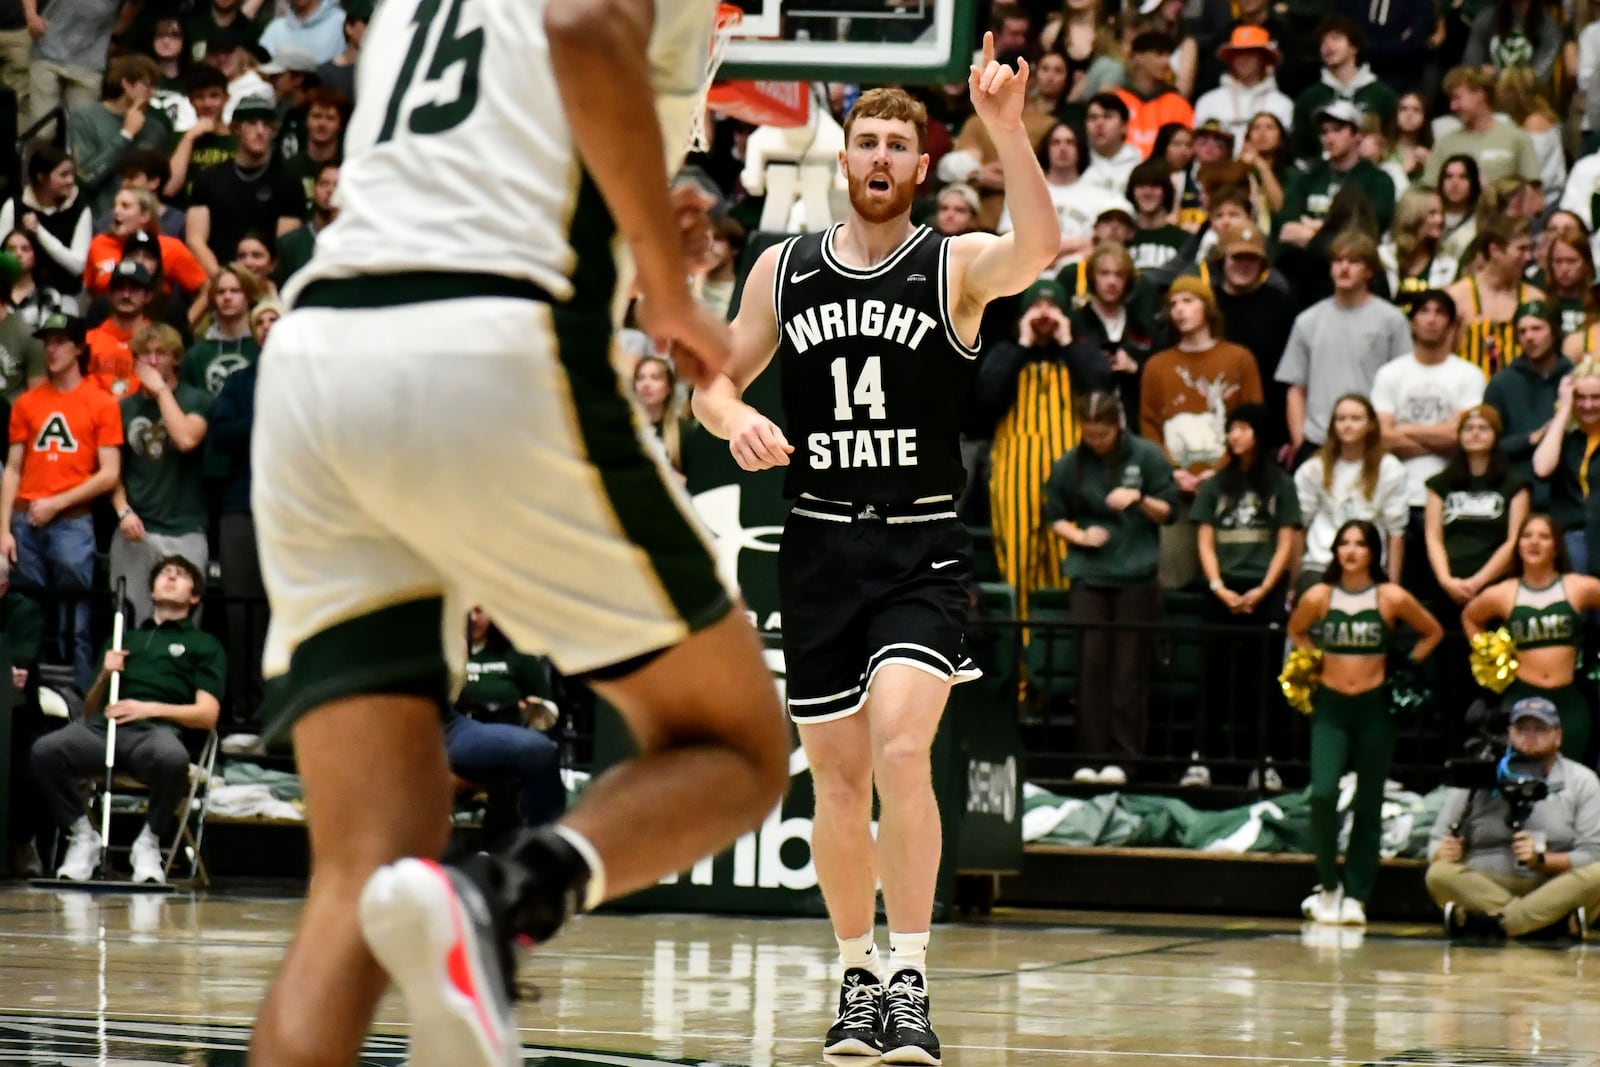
x=134, y=980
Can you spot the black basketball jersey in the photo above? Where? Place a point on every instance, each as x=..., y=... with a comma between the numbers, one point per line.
x=874, y=377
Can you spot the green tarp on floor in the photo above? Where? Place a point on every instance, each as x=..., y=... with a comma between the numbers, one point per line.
x=1281, y=824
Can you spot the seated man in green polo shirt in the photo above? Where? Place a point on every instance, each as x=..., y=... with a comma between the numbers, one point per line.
x=172, y=679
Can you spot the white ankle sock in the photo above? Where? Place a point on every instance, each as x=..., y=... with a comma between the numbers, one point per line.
x=149, y=834
x=596, y=893
x=908, y=951
x=860, y=952
x=82, y=828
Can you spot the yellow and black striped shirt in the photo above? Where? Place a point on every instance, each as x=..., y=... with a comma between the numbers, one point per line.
x=1485, y=343
x=1040, y=427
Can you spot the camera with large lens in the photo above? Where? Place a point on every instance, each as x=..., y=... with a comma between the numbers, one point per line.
x=1522, y=784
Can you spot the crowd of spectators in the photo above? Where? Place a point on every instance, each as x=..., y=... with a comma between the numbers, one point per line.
x=1331, y=262
x=1319, y=262
x=179, y=159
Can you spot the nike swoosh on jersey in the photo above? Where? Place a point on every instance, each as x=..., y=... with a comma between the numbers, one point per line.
x=795, y=279
x=942, y=564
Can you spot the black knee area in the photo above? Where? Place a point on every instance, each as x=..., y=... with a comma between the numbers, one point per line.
x=534, y=883
x=171, y=766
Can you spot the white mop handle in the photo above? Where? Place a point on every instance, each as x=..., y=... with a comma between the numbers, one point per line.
x=116, y=676
x=111, y=726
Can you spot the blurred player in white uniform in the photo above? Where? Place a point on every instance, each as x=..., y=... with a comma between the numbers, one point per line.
x=439, y=424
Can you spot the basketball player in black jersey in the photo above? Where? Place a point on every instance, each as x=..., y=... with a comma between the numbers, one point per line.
x=875, y=323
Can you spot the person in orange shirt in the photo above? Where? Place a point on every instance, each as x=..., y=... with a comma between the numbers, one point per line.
x=1151, y=100
x=66, y=450
x=110, y=352
x=136, y=210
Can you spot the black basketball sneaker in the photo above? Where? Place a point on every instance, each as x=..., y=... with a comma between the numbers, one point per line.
x=859, y=1029
x=908, y=1036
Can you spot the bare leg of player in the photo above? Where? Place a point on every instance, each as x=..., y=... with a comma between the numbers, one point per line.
x=906, y=705
x=390, y=799
x=713, y=762
x=840, y=755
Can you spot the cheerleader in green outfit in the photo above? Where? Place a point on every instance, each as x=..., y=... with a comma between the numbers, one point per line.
x=1355, y=612
x=1543, y=605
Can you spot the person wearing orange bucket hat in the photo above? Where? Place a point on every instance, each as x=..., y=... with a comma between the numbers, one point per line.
x=1248, y=88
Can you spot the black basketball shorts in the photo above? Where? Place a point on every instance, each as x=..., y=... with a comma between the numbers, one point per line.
x=864, y=587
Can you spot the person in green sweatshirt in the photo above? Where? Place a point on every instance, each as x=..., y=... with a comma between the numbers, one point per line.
x=1107, y=499
x=224, y=344
x=101, y=135
x=493, y=735
x=1310, y=194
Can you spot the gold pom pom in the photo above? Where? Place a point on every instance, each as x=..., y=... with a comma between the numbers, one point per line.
x=1494, y=659
x=1302, y=675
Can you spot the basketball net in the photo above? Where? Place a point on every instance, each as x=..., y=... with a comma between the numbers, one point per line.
x=728, y=19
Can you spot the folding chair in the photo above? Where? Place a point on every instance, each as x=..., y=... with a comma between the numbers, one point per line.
x=191, y=814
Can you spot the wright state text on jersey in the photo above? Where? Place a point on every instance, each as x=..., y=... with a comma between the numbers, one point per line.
x=874, y=376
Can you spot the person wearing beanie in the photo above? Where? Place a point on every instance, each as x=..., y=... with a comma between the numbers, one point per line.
x=1246, y=516
x=1524, y=392
x=1338, y=344
x=1420, y=399
x=1184, y=399
x=1030, y=390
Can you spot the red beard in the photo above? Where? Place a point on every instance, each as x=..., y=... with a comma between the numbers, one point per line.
x=874, y=208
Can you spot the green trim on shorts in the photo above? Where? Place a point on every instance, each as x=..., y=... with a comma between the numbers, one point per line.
x=634, y=486
x=415, y=287
x=393, y=651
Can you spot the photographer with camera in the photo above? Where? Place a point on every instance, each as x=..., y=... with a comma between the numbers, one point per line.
x=1521, y=852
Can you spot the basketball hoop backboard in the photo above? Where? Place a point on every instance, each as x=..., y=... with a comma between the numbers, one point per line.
x=875, y=42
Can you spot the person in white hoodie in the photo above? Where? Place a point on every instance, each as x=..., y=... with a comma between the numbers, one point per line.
x=1111, y=156
x=1248, y=87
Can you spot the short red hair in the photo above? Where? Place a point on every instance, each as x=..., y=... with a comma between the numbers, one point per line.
x=889, y=104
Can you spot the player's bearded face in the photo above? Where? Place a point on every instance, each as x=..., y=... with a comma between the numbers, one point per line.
x=879, y=194
x=881, y=166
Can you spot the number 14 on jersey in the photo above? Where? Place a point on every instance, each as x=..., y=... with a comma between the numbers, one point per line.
x=850, y=449
x=868, y=392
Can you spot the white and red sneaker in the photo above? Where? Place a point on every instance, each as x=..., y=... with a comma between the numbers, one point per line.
x=430, y=928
